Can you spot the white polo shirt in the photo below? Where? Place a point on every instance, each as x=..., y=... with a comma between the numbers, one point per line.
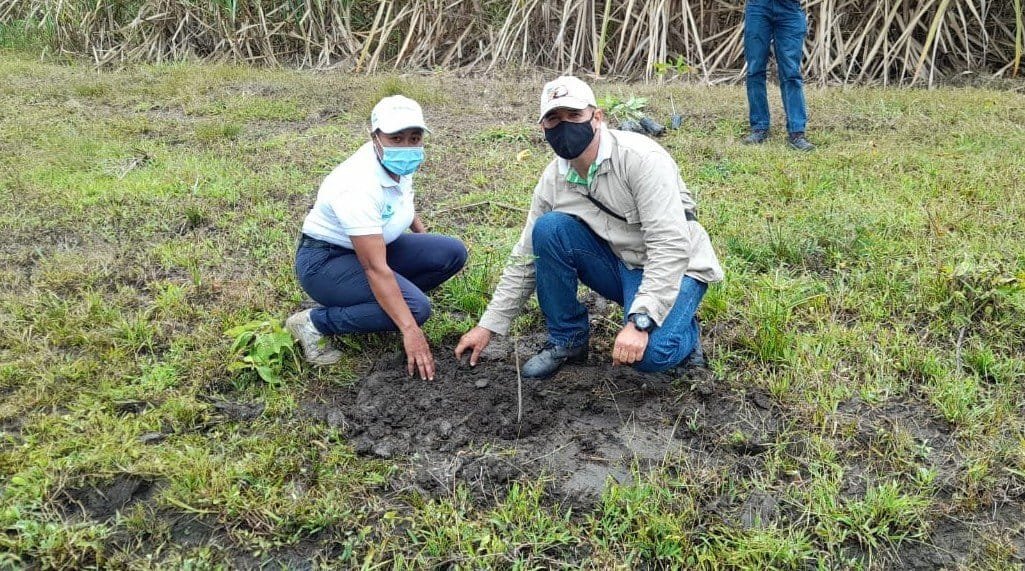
x=359, y=198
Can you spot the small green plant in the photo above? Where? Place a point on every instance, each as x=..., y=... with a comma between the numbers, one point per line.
x=264, y=347
x=630, y=110
x=679, y=65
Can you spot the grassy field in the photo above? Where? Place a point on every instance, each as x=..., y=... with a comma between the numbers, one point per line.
x=875, y=294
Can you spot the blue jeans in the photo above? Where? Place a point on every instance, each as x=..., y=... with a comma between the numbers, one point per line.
x=334, y=278
x=567, y=252
x=782, y=24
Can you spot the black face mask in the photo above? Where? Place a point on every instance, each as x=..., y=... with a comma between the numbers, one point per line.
x=568, y=139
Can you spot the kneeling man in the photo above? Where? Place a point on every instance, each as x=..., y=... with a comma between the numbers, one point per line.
x=612, y=212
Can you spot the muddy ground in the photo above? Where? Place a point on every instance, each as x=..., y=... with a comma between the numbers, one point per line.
x=586, y=425
x=592, y=424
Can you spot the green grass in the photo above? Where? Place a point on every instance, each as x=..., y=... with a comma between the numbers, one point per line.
x=148, y=211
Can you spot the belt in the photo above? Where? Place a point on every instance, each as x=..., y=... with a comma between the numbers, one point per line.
x=308, y=242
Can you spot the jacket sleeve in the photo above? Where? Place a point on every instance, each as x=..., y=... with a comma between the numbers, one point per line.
x=517, y=281
x=657, y=189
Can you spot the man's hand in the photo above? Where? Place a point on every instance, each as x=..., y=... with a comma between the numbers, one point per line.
x=475, y=340
x=418, y=354
x=630, y=345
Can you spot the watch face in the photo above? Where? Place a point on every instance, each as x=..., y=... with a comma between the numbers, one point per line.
x=643, y=322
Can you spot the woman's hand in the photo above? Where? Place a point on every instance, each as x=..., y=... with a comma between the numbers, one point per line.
x=418, y=225
x=418, y=354
x=475, y=340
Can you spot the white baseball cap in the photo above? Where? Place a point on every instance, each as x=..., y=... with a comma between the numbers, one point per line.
x=395, y=113
x=566, y=91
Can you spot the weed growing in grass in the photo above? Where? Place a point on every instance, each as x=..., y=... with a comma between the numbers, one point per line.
x=764, y=548
x=263, y=346
x=649, y=520
x=518, y=533
x=886, y=516
x=217, y=130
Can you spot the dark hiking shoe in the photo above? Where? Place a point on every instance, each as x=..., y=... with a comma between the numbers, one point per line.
x=696, y=357
x=756, y=137
x=550, y=358
x=800, y=142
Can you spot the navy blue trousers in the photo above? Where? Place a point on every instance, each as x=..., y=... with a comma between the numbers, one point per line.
x=334, y=278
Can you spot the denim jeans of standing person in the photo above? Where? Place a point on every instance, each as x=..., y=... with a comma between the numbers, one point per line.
x=783, y=25
x=567, y=253
x=334, y=278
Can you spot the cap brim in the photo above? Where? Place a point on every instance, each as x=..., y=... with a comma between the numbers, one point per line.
x=563, y=103
x=389, y=129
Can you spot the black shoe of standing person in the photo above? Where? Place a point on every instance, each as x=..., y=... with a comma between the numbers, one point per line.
x=800, y=142
x=550, y=358
x=756, y=137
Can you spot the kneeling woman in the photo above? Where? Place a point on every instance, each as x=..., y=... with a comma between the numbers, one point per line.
x=355, y=258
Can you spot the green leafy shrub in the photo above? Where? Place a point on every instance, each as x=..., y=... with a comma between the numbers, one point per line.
x=264, y=347
x=630, y=110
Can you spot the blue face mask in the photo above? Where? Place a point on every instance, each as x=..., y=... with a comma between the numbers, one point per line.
x=401, y=160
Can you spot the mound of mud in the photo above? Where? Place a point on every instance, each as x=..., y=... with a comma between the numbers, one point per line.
x=102, y=501
x=586, y=425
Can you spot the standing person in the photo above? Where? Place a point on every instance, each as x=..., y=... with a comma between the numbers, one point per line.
x=355, y=258
x=612, y=212
x=783, y=25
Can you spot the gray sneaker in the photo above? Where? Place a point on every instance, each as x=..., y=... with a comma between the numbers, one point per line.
x=756, y=137
x=316, y=348
x=800, y=142
x=550, y=358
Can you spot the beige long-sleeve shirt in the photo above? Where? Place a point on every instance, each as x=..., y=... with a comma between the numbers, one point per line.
x=639, y=180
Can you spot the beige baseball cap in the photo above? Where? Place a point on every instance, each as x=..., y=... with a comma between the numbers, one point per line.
x=395, y=113
x=566, y=91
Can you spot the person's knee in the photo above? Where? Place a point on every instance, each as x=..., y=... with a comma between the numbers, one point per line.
x=421, y=310
x=664, y=354
x=547, y=227
x=790, y=74
x=656, y=361
x=455, y=255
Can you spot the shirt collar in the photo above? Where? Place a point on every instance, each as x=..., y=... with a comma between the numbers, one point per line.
x=604, y=151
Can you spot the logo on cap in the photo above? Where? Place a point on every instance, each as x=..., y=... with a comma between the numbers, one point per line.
x=557, y=92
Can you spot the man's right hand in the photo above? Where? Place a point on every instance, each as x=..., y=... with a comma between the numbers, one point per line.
x=475, y=340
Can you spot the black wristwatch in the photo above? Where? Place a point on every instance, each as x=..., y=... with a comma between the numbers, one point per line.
x=642, y=322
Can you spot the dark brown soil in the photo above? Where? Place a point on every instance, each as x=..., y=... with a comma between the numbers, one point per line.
x=591, y=424
x=586, y=425
x=102, y=502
